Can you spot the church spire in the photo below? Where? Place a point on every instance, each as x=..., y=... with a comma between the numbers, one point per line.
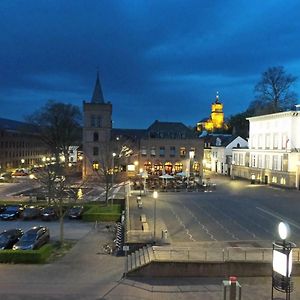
x=217, y=97
x=97, y=95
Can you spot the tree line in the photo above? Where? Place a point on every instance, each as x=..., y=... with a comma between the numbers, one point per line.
x=273, y=93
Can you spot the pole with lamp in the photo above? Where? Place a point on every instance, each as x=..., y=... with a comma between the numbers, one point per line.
x=112, y=178
x=282, y=262
x=155, y=196
x=140, y=180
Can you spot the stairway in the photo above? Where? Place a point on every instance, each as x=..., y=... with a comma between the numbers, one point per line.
x=139, y=258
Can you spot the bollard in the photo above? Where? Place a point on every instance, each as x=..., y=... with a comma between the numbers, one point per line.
x=231, y=285
x=232, y=290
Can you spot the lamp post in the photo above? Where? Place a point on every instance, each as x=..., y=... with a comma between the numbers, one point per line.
x=155, y=196
x=112, y=178
x=282, y=262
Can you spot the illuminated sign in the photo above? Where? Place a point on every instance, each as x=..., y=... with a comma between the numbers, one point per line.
x=282, y=261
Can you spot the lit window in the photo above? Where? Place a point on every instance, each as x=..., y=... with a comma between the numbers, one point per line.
x=143, y=151
x=95, y=166
x=182, y=151
x=152, y=151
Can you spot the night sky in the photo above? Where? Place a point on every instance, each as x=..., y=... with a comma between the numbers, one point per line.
x=158, y=60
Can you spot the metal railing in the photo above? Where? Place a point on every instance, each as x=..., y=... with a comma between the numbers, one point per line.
x=250, y=254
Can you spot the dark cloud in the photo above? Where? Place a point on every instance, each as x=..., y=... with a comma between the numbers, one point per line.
x=157, y=59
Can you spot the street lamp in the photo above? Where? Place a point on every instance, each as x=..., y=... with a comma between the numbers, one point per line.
x=155, y=196
x=112, y=177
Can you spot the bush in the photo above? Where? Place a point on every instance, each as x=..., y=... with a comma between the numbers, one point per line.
x=26, y=256
x=102, y=213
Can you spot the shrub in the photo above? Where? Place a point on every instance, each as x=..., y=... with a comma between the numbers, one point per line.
x=102, y=213
x=26, y=256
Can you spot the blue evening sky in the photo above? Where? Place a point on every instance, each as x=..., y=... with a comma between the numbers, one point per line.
x=158, y=59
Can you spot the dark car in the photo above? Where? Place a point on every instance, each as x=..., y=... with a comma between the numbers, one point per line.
x=11, y=212
x=9, y=237
x=75, y=212
x=31, y=212
x=2, y=208
x=33, y=239
x=49, y=213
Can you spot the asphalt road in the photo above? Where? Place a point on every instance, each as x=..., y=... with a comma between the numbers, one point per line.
x=235, y=211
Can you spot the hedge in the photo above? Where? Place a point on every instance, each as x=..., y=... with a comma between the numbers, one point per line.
x=26, y=256
x=102, y=213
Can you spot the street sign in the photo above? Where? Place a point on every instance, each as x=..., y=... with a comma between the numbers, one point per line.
x=125, y=248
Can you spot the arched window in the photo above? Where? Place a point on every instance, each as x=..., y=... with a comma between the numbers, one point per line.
x=168, y=167
x=178, y=167
x=238, y=145
x=148, y=166
x=96, y=137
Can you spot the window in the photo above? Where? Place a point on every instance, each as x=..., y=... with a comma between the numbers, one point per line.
x=95, y=166
x=275, y=141
x=284, y=141
x=96, y=121
x=172, y=151
x=260, y=141
x=268, y=141
x=96, y=137
x=259, y=161
x=95, y=151
x=253, y=160
x=93, y=121
x=275, y=162
x=153, y=151
x=178, y=167
x=182, y=151
x=143, y=151
x=161, y=151
x=267, y=162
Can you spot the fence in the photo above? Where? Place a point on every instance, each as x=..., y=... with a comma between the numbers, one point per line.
x=250, y=254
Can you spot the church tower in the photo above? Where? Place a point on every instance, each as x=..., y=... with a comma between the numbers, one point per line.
x=216, y=120
x=217, y=115
x=97, y=126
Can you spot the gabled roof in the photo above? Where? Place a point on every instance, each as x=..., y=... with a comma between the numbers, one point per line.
x=135, y=134
x=97, y=94
x=170, y=130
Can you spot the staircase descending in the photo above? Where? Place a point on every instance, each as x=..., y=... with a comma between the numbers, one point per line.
x=139, y=258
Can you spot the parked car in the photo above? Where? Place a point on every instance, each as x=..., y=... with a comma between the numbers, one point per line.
x=11, y=212
x=75, y=212
x=31, y=212
x=20, y=173
x=33, y=239
x=9, y=237
x=2, y=208
x=49, y=213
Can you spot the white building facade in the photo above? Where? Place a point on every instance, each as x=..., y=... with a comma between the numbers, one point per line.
x=273, y=156
x=221, y=154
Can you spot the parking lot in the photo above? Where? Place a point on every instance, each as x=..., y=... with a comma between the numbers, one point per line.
x=73, y=229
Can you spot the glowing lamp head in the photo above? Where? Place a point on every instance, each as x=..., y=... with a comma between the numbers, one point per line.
x=283, y=230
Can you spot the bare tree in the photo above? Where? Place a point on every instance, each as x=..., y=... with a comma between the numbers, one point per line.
x=58, y=126
x=59, y=191
x=111, y=161
x=273, y=92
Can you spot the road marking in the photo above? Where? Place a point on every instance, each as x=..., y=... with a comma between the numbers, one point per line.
x=279, y=217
